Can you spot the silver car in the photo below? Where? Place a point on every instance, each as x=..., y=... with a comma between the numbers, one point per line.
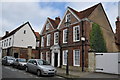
x=8, y=60
x=19, y=63
x=41, y=67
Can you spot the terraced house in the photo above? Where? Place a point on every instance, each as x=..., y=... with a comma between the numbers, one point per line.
x=75, y=35
x=22, y=42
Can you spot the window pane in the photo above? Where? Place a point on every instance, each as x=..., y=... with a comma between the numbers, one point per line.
x=76, y=33
x=77, y=57
x=65, y=52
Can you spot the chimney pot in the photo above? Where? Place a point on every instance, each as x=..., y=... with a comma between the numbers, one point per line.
x=57, y=19
x=118, y=18
x=7, y=32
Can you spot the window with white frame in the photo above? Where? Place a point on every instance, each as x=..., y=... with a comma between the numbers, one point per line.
x=67, y=18
x=65, y=36
x=47, y=26
x=9, y=41
x=41, y=55
x=76, y=33
x=76, y=57
x=48, y=40
x=42, y=41
x=37, y=44
x=65, y=53
x=4, y=43
x=48, y=57
x=56, y=38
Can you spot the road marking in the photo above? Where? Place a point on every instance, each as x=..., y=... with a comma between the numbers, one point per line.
x=36, y=77
x=59, y=77
x=25, y=73
x=31, y=75
x=13, y=70
x=20, y=71
x=7, y=67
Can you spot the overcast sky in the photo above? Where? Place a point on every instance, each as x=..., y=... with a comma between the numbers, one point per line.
x=15, y=14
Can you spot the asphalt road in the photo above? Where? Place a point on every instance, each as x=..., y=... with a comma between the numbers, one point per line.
x=12, y=73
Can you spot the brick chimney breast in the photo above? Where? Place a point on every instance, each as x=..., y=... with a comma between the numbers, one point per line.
x=7, y=32
x=118, y=30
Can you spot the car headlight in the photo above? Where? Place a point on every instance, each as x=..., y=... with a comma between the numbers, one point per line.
x=21, y=64
x=45, y=70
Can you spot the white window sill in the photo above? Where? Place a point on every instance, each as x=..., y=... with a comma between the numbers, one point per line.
x=65, y=42
x=64, y=64
x=76, y=40
x=76, y=65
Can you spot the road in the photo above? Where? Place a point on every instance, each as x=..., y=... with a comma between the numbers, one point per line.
x=9, y=72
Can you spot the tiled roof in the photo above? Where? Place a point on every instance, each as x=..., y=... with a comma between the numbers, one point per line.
x=53, y=22
x=85, y=13
x=14, y=31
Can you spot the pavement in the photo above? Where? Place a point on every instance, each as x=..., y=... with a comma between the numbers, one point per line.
x=77, y=74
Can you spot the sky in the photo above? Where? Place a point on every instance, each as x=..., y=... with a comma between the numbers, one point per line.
x=14, y=14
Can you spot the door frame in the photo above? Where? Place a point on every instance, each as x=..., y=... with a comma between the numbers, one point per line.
x=53, y=57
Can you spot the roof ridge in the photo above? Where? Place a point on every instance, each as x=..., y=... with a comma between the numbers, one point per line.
x=88, y=11
x=94, y=6
x=84, y=13
x=15, y=30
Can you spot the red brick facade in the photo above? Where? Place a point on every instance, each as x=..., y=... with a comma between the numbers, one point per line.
x=76, y=19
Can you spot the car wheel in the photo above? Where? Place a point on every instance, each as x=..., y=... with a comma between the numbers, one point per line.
x=38, y=73
x=26, y=69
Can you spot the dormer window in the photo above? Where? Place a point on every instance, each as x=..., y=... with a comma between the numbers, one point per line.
x=67, y=18
x=47, y=26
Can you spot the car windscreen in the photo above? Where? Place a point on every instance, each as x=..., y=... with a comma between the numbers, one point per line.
x=43, y=62
x=22, y=60
x=10, y=58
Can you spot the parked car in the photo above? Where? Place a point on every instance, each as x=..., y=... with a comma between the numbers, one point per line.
x=19, y=63
x=41, y=67
x=8, y=60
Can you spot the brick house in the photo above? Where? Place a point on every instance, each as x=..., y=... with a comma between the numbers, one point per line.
x=20, y=42
x=67, y=39
x=47, y=39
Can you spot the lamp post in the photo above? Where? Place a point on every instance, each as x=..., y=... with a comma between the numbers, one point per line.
x=83, y=40
x=67, y=66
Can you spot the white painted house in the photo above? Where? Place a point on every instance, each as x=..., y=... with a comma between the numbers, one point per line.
x=17, y=41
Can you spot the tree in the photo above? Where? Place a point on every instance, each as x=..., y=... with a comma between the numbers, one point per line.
x=97, y=41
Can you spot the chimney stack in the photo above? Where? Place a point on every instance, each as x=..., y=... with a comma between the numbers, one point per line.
x=7, y=32
x=118, y=30
x=57, y=20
